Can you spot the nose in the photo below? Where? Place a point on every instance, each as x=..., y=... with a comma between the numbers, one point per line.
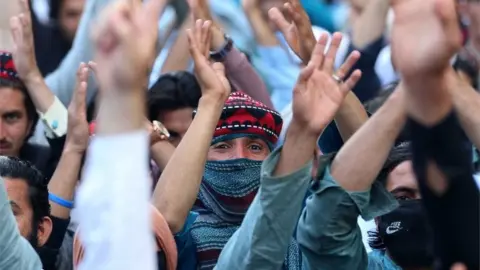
x=240, y=151
x=3, y=130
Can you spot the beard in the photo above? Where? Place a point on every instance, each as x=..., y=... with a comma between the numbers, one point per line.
x=33, y=236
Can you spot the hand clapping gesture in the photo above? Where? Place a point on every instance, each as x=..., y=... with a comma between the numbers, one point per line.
x=319, y=91
x=24, y=50
x=77, y=130
x=125, y=38
x=425, y=36
x=298, y=33
x=210, y=76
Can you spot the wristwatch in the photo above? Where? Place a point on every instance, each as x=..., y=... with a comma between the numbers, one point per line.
x=227, y=46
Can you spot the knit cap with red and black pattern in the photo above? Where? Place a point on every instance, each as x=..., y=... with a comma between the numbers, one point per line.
x=243, y=115
x=7, y=67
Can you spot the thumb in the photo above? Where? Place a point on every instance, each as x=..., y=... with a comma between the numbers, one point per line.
x=16, y=30
x=219, y=68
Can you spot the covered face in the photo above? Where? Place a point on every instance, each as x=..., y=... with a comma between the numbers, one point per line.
x=247, y=129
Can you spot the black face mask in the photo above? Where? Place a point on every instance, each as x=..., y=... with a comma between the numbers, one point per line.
x=407, y=235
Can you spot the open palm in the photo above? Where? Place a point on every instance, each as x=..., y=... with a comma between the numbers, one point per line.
x=210, y=76
x=425, y=35
x=317, y=95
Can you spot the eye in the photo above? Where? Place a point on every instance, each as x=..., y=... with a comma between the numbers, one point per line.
x=403, y=198
x=12, y=117
x=221, y=146
x=255, y=147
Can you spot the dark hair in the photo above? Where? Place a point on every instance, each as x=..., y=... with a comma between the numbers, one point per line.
x=27, y=102
x=173, y=91
x=13, y=167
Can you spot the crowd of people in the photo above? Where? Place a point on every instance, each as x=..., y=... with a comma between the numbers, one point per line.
x=251, y=134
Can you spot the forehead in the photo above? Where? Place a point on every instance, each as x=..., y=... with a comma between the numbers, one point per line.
x=17, y=191
x=11, y=100
x=402, y=177
x=176, y=120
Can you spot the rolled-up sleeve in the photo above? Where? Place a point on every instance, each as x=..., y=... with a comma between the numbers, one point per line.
x=262, y=240
x=328, y=232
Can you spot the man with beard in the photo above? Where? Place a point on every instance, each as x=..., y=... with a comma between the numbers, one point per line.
x=28, y=195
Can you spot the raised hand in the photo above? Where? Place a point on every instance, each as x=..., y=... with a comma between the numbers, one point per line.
x=425, y=36
x=298, y=33
x=319, y=91
x=23, y=49
x=210, y=76
x=125, y=38
x=200, y=9
x=77, y=130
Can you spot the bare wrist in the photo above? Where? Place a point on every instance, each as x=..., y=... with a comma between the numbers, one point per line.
x=298, y=130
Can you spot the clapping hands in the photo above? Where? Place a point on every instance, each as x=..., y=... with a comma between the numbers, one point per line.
x=210, y=76
x=320, y=91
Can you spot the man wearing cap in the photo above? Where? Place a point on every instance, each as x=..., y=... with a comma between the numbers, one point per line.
x=224, y=164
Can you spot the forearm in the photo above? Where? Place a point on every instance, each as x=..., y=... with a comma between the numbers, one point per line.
x=178, y=57
x=350, y=116
x=178, y=186
x=64, y=181
x=161, y=153
x=371, y=24
x=38, y=90
x=372, y=142
x=466, y=102
x=244, y=77
x=263, y=34
x=298, y=149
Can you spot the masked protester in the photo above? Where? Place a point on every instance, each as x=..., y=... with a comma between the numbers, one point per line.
x=245, y=134
x=405, y=233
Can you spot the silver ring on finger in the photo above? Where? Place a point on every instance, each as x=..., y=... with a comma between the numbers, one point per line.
x=337, y=79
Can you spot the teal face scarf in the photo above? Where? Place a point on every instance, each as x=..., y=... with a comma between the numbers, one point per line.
x=226, y=192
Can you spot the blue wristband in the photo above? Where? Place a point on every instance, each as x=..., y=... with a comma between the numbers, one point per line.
x=54, y=198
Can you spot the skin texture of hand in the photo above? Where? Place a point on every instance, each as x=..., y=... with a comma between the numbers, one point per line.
x=201, y=10
x=317, y=96
x=24, y=51
x=121, y=30
x=210, y=76
x=298, y=33
x=425, y=36
x=77, y=131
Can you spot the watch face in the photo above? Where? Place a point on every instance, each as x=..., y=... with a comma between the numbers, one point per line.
x=159, y=127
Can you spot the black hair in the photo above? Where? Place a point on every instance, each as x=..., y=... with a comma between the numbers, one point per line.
x=173, y=91
x=32, y=115
x=15, y=168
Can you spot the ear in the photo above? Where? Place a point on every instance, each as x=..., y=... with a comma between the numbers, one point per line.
x=44, y=230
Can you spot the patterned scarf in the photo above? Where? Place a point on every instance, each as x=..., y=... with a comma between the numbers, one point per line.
x=226, y=192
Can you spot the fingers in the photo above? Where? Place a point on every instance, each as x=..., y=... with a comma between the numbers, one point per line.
x=80, y=93
x=331, y=54
x=348, y=85
x=16, y=30
x=306, y=72
x=348, y=64
x=447, y=13
x=318, y=52
x=194, y=47
x=206, y=37
x=276, y=16
x=24, y=7
x=152, y=10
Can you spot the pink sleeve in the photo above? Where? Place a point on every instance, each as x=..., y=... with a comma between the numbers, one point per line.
x=244, y=78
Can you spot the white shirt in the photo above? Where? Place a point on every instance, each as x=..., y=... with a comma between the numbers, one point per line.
x=113, y=204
